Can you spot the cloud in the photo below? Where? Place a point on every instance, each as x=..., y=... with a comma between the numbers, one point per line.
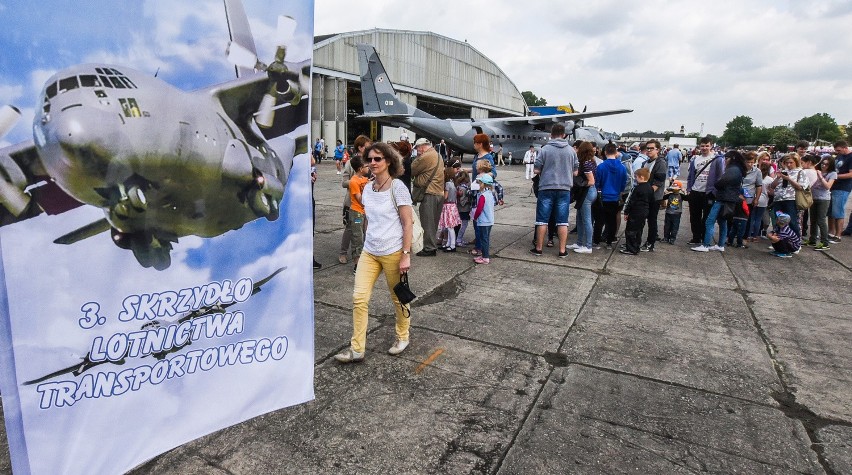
x=673, y=62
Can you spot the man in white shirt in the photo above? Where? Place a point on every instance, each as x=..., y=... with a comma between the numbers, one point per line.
x=529, y=162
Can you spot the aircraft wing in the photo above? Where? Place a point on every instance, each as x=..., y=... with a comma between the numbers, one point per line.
x=26, y=189
x=241, y=100
x=549, y=119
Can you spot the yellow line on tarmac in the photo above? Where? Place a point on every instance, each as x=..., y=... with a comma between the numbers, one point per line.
x=429, y=360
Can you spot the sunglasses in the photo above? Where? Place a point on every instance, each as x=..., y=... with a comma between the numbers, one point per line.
x=375, y=159
x=651, y=148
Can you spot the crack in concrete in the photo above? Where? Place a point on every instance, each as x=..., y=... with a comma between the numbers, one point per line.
x=787, y=399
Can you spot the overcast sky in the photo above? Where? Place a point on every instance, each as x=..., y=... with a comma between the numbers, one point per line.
x=674, y=62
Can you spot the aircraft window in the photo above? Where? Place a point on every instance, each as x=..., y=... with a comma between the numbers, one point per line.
x=46, y=107
x=114, y=71
x=105, y=81
x=117, y=83
x=134, y=108
x=89, y=80
x=125, y=107
x=100, y=93
x=51, y=91
x=68, y=83
x=127, y=83
x=100, y=71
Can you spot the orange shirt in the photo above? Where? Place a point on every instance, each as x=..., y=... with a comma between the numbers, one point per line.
x=356, y=186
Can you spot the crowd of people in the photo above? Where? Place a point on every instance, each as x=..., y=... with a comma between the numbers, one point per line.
x=790, y=200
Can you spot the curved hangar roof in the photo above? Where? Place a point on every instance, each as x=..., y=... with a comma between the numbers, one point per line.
x=425, y=64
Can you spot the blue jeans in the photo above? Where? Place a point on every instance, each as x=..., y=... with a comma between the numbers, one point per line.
x=755, y=221
x=484, y=240
x=549, y=200
x=584, y=218
x=711, y=223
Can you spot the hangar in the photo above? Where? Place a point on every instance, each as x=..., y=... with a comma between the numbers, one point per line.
x=444, y=77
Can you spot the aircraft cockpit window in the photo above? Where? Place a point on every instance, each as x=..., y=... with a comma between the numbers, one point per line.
x=114, y=71
x=117, y=83
x=105, y=81
x=89, y=80
x=68, y=83
x=51, y=91
x=100, y=71
x=127, y=83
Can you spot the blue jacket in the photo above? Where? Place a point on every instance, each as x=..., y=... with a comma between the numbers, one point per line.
x=611, y=179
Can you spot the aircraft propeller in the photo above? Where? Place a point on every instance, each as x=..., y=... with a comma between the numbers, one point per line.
x=283, y=81
x=9, y=116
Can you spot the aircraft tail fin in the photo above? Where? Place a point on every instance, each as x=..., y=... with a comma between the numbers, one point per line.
x=240, y=31
x=377, y=91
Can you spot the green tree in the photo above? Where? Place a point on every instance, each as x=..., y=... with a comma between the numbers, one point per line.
x=818, y=126
x=783, y=137
x=761, y=135
x=738, y=131
x=533, y=100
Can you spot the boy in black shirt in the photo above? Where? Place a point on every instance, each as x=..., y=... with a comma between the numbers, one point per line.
x=636, y=211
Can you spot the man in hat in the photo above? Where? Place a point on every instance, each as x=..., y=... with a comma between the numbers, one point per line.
x=427, y=171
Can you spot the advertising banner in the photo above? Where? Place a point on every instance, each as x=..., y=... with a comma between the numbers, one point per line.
x=155, y=225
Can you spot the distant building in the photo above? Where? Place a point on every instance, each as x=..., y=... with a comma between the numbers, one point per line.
x=442, y=76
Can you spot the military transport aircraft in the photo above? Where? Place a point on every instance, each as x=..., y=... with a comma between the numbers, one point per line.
x=515, y=133
x=162, y=163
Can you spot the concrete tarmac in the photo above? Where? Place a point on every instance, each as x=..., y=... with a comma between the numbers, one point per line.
x=666, y=362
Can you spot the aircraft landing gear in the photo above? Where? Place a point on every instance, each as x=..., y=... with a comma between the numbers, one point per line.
x=263, y=205
x=147, y=249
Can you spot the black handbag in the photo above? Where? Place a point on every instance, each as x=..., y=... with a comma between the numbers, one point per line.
x=403, y=291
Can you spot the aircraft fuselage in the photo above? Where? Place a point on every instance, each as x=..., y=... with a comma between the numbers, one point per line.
x=103, y=130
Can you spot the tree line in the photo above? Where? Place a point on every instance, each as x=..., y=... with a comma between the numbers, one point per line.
x=741, y=131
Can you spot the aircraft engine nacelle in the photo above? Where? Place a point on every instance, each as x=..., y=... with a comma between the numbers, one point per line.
x=12, y=183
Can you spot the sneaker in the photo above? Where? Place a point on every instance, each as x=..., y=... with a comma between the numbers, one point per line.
x=625, y=251
x=797, y=250
x=809, y=243
x=349, y=356
x=572, y=246
x=646, y=248
x=340, y=173
x=608, y=246
x=717, y=248
x=741, y=246
x=355, y=269
x=822, y=247
x=317, y=265
x=449, y=249
x=833, y=239
x=701, y=248
x=550, y=243
x=342, y=259
x=482, y=260
x=781, y=254
x=583, y=250
x=535, y=252
x=398, y=347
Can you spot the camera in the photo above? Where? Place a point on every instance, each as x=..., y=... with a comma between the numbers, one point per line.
x=784, y=172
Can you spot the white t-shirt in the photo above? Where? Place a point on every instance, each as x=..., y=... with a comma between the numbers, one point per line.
x=763, y=200
x=699, y=161
x=384, y=228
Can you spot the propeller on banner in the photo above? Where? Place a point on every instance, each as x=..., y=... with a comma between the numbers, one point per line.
x=282, y=81
x=9, y=116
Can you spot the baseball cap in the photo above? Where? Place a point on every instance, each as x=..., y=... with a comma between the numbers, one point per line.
x=422, y=141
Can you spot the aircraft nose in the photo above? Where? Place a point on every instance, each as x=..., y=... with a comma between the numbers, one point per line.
x=74, y=127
